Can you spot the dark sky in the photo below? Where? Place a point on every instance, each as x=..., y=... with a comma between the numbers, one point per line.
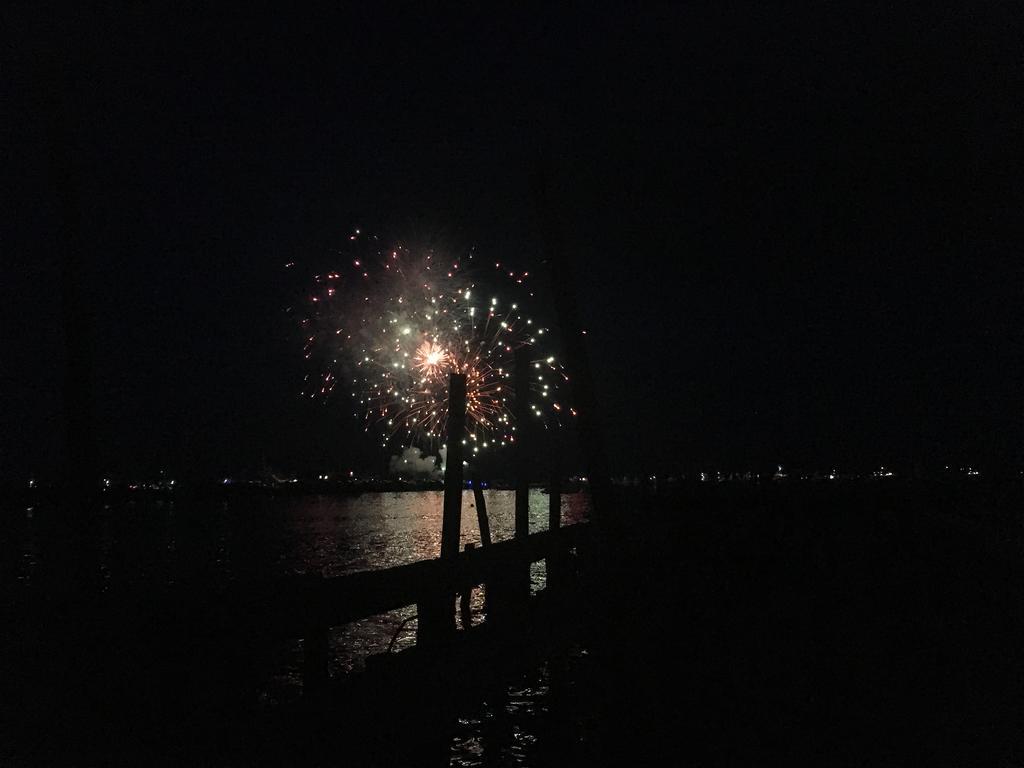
x=796, y=234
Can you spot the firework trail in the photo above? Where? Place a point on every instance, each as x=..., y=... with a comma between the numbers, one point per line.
x=388, y=327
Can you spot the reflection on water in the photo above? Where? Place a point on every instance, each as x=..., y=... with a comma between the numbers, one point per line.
x=504, y=732
x=213, y=542
x=337, y=535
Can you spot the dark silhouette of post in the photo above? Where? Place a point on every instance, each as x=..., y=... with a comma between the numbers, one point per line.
x=520, y=579
x=436, y=613
x=69, y=552
x=522, y=458
x=465, y=599
x=555, y=559
x=451, y=523
x=484, y=523
x=554, y=485
x=78, y=479
x=588, y=419
x=481, y=513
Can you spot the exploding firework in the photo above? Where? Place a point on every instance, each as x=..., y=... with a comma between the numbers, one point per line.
x=431, y=359
x=390, y=327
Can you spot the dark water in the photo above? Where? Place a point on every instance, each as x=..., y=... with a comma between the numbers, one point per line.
x=255, y=537
x=849, y=625
x=252, y=537
x=211, y=544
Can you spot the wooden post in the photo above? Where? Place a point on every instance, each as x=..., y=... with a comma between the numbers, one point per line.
x=79, y=476
x=69, y=559
x=437, y=612
x=481, y=513
x=554, y=486
x=522, y=414
x=520, y=580
x=485, y=526
x=588, y=421
x=465, y=612
x=451, y=524
x=555, y=559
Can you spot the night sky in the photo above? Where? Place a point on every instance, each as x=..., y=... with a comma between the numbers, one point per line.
x=796, y=234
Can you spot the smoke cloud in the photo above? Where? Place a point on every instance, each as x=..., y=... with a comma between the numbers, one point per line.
x=412, y=462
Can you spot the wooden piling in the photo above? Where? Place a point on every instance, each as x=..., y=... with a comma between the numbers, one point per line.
x=519, y=583
x=451, y=523
x=554, y=485
x=588, y=420
x=465, y=608
x=69, y=560
x=79, y=474
x=481, y=512
x=436, y=612
x=555, y=560
x=485, y=525
x=522, y=458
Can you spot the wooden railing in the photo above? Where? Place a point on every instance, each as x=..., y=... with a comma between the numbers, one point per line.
x=339, y=600
x=330, y=602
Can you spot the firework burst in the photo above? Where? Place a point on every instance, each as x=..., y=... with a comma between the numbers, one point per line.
x=390, y=326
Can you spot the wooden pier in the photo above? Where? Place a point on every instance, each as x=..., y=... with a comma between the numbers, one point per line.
x=311, y=607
